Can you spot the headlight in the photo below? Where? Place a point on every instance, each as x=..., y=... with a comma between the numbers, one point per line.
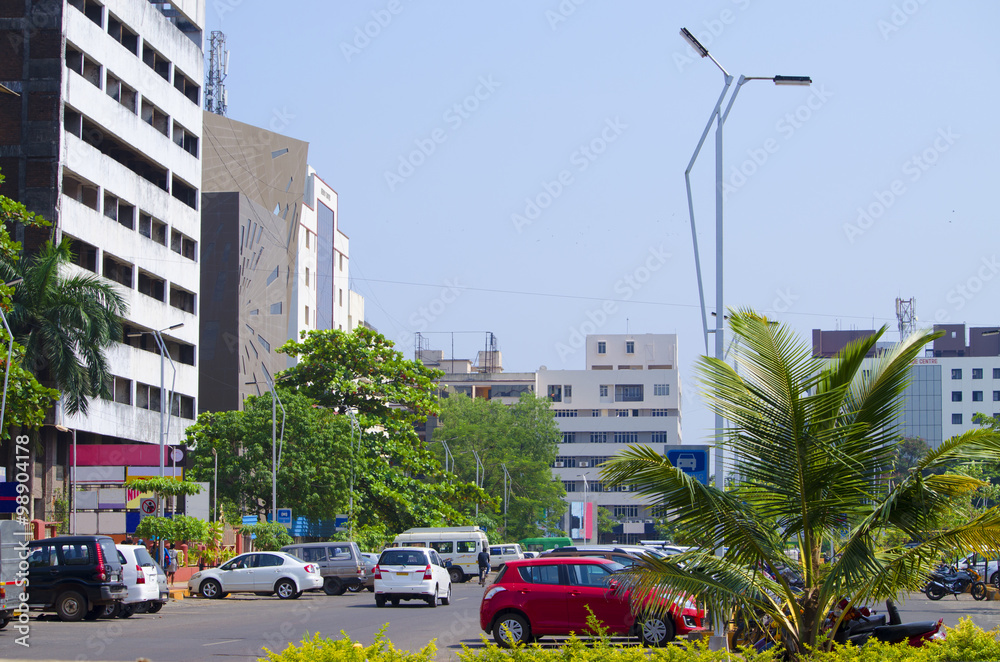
x=195, y=576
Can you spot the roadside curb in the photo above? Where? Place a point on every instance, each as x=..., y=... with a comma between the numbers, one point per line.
x=179, y=593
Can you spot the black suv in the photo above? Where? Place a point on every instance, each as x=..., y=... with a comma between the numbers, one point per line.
x=75, y=576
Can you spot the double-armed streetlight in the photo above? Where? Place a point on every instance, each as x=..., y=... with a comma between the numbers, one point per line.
x=275, y=452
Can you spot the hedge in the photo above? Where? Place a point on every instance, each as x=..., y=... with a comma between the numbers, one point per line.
x=964, y=643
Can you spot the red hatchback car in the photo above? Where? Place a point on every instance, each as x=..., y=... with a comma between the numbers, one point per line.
x=533, y=598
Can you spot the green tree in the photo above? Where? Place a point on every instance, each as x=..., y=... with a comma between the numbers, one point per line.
x=66, y=323
x=525, y=438
x=269, y=536
x=314, y=464
x=908, y=454
x=815, y=442
x=398, y=482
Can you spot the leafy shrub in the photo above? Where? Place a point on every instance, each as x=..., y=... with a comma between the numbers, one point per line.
x=270, y=536
x=324, y=649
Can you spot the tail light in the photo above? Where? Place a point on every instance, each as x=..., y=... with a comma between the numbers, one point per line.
x=361, y=570
x=142, y=576
x=427, y=573
x=309, y=567
x=493, y=591
x=377, y=572
x=103, y=573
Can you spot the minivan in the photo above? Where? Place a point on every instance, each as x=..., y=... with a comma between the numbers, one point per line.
x=340, y=563
x=459, y=547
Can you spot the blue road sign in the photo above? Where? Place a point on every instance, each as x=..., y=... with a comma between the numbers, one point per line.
x=692, y=460
x=284, y=516
x=249, y=519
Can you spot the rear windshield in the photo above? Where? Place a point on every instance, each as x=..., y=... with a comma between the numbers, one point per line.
x=403, y=557
x=143, y=558
x=109, y=549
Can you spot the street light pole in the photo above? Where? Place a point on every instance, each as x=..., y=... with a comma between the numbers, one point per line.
x=479, y=482
x=719, y=117
x=354, y=425
x=215, y=488
x=585, y=502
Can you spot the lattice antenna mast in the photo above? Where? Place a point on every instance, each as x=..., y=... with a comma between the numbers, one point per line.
x=906, y=314
x=218, y=69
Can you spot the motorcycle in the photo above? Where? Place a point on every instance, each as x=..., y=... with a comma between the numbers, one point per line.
x=949, y=581
x=861, y=626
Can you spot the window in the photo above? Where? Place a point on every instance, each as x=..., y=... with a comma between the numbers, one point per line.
x=996, y=373
x=147, y=397
x=186, y=140
x=269, y=560
x=602, y=347
x=628, y=392
x=659, y=437
x=956, y=419
x=569, y=485
x=977, y=396
x=187, y=87
x=956, y=396
x=151, y=286
x=568, y=461
x=595, y=413
x=120, y=92
x=588, y=575
x=555, y=393
x=340, y=261
x=154, y=117
x=179, y=243
x=152, y=228
x=120, y=272
x=659, y=412
x=630, y=347
x=183, y=406
x=76, y=553
x=443, y=547
x=568, y=391
x=996, y=396
x=569, y=438
x=977, y=373
x=466, y=546
x=626, y=511
x=43, y=556
x=340, y=298
x=596, y=486
x=307, y=238
x=155, y=61
x=956, y=373
x=181, y=299
x=120, y=390
x=598, y=437
x=661, y=389
x=307, y=276
x=604, y=390
x=307, y=315
x=540, y=574
x=566, y=413
x=621, y=413
x=626, y=437
x=122, y=34
x=184, y=192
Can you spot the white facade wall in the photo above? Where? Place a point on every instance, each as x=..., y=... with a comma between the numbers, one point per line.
x=82, y=161
x=957, y=414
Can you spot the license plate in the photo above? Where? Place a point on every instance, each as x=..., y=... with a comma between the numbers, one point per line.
x=402, y=574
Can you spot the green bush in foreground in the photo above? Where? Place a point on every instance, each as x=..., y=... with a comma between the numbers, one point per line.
x=964, y=643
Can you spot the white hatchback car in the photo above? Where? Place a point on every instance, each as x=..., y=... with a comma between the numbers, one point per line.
x=411, y=573
x=140, y=576
x=258, y=572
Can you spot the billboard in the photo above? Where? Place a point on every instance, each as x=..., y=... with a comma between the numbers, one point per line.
x=581, y=520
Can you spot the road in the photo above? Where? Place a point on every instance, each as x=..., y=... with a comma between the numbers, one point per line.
x=236, y=629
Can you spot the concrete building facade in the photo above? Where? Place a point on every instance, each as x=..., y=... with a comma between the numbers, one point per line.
x=104, y=141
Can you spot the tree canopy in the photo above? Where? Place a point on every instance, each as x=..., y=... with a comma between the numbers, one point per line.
x=815, y=442
x=524, y=438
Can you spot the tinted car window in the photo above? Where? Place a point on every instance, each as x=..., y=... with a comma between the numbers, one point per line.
x=77, y=553
x=311, y=554
x=435, y=559
x=466, y=546
x=239, y=562
x=42, y=557
x=121, y=558
x=494, y=551
x=402, y=557
x=443, y=547
x=624, y=560
x=108, y=548
x=143, y=557
x=339, y=553
x=540, y=574
x=588, y=575
x=269, y=560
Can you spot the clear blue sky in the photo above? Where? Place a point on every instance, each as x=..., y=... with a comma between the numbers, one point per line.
x=900, y=121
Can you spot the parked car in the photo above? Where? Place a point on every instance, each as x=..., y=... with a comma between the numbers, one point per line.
x=139, y=574
x=551, y=595
x=340, y=563
x=264, y=573
x=371, y=560
x=500, y=554
x=411, y=573
x=977, y=562
x=74, y=576
x=531, y=555
x=626, y=556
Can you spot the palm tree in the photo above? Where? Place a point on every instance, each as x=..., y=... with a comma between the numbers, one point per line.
x=814, y=443
x=65, y=323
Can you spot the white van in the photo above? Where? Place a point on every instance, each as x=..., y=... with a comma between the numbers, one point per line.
x=500, y=554
x=458, y=544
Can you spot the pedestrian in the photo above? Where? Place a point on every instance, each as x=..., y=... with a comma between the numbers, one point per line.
x=484, y=565
x=171, y=558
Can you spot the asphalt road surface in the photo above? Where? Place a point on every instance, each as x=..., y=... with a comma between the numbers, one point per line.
x=238, y=627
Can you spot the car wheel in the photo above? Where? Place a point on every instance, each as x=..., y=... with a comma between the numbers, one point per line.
x=211, y=589
x=71, y=606
x=333, y=586
x=446, y=600
x=356, y=588
x=379, y=601
x=995, y=579
x=155, y=607
x=112, y=610
x=511, y=629
x=457, y=576
x=126, y=611
x=433, y=600
x=935, y=592
x=657, y=631
x=285, y=588
x=4, y=622
x=394, y=602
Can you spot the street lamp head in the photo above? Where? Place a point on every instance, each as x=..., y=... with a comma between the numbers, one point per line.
x=16, y=281
x=175, y=326
x=792, y=80
x=695, y=44
x=62, y=428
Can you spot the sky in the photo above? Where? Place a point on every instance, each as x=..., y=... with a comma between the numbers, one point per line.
x=518, y=167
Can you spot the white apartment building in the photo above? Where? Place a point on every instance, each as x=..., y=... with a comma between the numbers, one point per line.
x=629, y=393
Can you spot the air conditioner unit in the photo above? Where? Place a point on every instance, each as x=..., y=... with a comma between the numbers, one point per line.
x=583, y=464
x=649, y=521
x=558, y=465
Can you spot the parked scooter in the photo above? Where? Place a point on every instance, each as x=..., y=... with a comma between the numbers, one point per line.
x=948, y=581
x=860, y=630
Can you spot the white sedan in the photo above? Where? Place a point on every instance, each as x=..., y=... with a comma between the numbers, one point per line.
x=411, y=573
x=258, y=572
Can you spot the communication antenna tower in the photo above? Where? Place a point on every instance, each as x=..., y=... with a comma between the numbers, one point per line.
x=906, y=314
x=218, y=69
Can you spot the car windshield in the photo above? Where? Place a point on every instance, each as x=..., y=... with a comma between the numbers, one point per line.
x=403, y=557
x=143, y=557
